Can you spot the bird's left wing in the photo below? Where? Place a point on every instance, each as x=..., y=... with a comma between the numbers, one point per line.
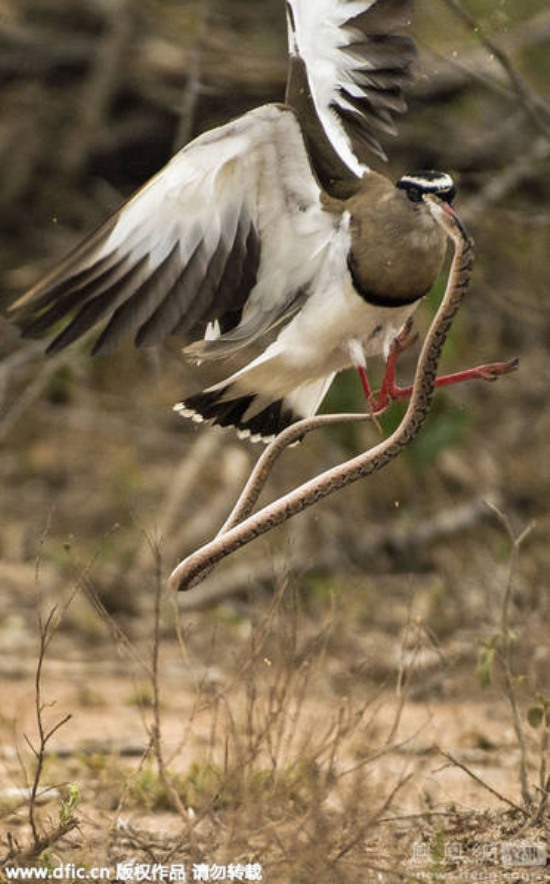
x=349, y=62
x=230, y=233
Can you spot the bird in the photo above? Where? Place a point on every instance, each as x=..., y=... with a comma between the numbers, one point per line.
x=271, y=234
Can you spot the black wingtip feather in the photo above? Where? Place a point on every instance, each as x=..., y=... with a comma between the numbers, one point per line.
x=215, y=407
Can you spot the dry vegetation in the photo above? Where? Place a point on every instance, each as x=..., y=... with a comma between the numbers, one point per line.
x=363, y=694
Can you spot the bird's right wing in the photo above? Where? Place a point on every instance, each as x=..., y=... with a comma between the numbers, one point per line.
x=230, y=234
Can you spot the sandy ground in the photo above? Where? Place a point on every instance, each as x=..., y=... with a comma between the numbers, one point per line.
x=105, y=689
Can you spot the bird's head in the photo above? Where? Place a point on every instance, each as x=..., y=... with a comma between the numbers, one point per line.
x=428, y=181
x=441, y=189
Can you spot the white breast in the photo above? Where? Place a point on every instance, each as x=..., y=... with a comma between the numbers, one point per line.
x=334, y=323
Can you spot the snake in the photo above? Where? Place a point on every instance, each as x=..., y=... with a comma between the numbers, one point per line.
x=241, y=528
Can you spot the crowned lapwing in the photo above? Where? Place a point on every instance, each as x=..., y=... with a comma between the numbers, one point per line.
x=270, y=231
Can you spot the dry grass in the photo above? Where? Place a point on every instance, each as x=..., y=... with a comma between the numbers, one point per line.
x=363, y=696
x=257, y=734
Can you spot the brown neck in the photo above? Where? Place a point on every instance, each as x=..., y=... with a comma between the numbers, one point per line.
x=397, y=249
x=371, y=297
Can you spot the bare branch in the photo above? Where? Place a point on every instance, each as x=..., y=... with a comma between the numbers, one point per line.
x=32, y=391
x=501, y=184
x=155, y=730
x=440, y=74
x=505, y=651
x=482, y=782
x=193, y=86
x=100, y=87
x=531, y=105
x=47, y=629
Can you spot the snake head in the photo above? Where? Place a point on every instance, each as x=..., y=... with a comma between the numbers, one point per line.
x=443, y=212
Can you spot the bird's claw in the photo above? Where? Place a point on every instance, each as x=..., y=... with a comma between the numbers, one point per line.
x=404, y=339
x=494, y=371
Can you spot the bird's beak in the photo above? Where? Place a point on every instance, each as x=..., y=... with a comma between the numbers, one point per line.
x=439, y=207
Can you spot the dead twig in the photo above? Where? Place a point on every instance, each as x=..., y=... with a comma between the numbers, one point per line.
x=544, y=778
x=181, y=490
x=193, y=86
x=100, y=87
x=441, y=74
x=47, y=629
x=532, y=106
x=33, y=390
x=482, y=782
x=504, y=650
x=41, y=839
x=155, y=731
x=525, y=166
x=39, y=845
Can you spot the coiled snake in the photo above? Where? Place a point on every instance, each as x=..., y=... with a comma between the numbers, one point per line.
x=241, y=527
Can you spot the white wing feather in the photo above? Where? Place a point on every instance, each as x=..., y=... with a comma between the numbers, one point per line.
x=318, y=36
x=168, y=246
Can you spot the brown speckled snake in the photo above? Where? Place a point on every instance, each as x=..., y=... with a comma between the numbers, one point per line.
x=242, y=527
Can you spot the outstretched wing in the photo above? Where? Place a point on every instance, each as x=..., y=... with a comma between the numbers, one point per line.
x=349, y=62
x=230, y=233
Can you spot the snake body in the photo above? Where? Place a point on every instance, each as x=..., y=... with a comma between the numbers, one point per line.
x=192, y=569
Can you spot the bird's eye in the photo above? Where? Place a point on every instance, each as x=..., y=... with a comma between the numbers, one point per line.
x=414, y=194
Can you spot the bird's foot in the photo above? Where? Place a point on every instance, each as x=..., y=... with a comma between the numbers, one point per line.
x=401, y=342
x=390, y=391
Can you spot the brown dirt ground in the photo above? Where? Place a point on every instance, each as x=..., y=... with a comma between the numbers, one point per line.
x=103, y=685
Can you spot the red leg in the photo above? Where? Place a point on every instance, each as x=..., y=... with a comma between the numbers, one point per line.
x=390, y=391
x=389, y=383
x=403, y=340
x=365, y=383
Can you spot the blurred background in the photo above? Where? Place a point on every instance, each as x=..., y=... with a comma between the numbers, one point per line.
x=104, y=488
x=95, y=97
